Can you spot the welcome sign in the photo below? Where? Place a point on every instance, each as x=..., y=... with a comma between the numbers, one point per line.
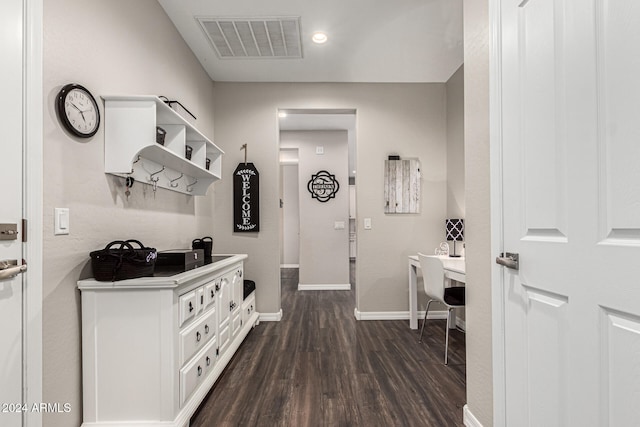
x=246, y=197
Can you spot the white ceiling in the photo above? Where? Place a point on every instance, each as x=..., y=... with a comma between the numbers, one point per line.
x=369, y=40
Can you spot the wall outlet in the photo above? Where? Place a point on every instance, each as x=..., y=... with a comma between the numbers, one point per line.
x=319, y=149
x=338, y=225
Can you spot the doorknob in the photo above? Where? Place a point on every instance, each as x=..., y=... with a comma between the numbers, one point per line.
x=10, y=268
x=509, y=260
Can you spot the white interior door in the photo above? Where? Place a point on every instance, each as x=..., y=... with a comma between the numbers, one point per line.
x=11, y=288
x=570, y=131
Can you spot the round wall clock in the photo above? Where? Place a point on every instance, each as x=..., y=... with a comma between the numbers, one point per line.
x=78, y=110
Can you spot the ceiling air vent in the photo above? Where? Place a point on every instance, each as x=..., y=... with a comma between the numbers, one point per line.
x=251, y=38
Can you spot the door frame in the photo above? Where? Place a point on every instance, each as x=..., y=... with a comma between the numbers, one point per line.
x=33, y=206
x=497, y=209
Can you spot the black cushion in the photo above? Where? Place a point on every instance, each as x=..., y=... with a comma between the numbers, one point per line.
x=454, y=295
x=249, y=286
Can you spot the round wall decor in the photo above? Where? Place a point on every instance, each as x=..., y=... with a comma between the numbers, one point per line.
x=78, y=110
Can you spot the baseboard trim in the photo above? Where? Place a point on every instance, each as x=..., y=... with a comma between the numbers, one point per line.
x=396, y=315
x=461, y=324
x=271, y=317
x=325, y=287
x=468, y=418
x=289, y=265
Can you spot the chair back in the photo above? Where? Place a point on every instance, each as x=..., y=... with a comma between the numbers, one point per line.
x=432, y=276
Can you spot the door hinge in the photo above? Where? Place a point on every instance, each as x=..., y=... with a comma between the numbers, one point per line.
x=24, y=230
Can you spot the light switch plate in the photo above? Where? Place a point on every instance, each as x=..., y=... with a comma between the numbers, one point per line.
x=367, y=223
x=338, y=225
x=319, y=149
x=61, y=221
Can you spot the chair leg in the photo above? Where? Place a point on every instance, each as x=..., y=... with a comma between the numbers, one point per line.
x=446, y=341
x=425, y=320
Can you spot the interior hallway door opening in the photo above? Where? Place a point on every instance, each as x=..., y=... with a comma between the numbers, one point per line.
x=318, y=150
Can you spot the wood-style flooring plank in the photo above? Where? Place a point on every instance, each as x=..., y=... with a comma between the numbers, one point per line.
x=319, y=367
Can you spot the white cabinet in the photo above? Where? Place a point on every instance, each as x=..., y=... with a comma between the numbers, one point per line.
x=153, y=347
x=130, y=147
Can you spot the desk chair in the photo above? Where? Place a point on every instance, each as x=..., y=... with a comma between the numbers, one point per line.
x=434, y=287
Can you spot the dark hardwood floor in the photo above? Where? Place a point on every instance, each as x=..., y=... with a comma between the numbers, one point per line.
x=318, y=366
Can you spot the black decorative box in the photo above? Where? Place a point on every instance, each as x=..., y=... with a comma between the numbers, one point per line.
x=187, y=258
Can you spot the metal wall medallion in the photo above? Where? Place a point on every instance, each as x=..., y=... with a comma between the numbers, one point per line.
x=323, y=186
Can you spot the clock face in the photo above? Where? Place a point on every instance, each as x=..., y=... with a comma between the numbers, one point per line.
x=78, y=110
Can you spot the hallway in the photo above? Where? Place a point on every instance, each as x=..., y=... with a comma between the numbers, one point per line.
x=318, y=366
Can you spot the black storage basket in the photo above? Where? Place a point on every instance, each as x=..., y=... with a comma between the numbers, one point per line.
x=124, y=262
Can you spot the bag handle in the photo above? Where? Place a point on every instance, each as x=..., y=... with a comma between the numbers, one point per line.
x=210, y=238
x=196, y=241
x=136, y=242
x=122, y=244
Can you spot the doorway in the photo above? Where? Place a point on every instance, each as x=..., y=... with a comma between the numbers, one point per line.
x=317, y=151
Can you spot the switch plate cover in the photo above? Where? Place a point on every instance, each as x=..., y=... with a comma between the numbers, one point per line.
x=61, y=221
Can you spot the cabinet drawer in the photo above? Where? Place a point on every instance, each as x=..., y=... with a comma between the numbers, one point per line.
x=192, y=375
x=248, y=307
x=187, y=307
x=197, y=336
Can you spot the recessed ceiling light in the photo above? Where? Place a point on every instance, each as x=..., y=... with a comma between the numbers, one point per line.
x=282, y=114
x=319, y=37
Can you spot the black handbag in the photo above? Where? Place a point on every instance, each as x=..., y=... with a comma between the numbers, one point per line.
x=124, y=262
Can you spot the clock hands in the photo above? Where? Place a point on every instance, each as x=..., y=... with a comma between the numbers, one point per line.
x=79, y=110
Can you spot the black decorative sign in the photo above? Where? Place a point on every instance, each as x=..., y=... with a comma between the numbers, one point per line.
x=323, y=186
x=246, y=197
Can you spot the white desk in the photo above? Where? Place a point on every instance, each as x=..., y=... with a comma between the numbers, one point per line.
x=454, y=269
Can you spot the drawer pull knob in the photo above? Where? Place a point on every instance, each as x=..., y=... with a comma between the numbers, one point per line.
x=199, y=370
x=212, y=293
x=208, y=361
x=201, y=299
x=198, y=336
x=206, y=329
x=190, y=306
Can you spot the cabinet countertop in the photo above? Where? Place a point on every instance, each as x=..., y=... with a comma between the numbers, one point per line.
x=163, y=282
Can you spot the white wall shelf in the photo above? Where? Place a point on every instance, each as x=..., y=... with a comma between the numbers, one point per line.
x=131, y=148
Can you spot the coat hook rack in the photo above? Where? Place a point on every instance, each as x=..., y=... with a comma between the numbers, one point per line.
x=134, y=162
x=190, y=186
x=244, y=147
x=154, y=174
x=173, y=183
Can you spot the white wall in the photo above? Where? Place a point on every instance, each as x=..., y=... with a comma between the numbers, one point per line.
x=455, y=145
x=405, y=119
x=291, y=216
x=320, y=244
x=111, y=47
x=478, y=218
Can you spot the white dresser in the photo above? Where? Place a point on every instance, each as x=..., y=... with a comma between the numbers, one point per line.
x=153, y=347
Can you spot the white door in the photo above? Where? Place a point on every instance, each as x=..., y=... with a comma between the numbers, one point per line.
x=570, y=132
x=11, y=288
